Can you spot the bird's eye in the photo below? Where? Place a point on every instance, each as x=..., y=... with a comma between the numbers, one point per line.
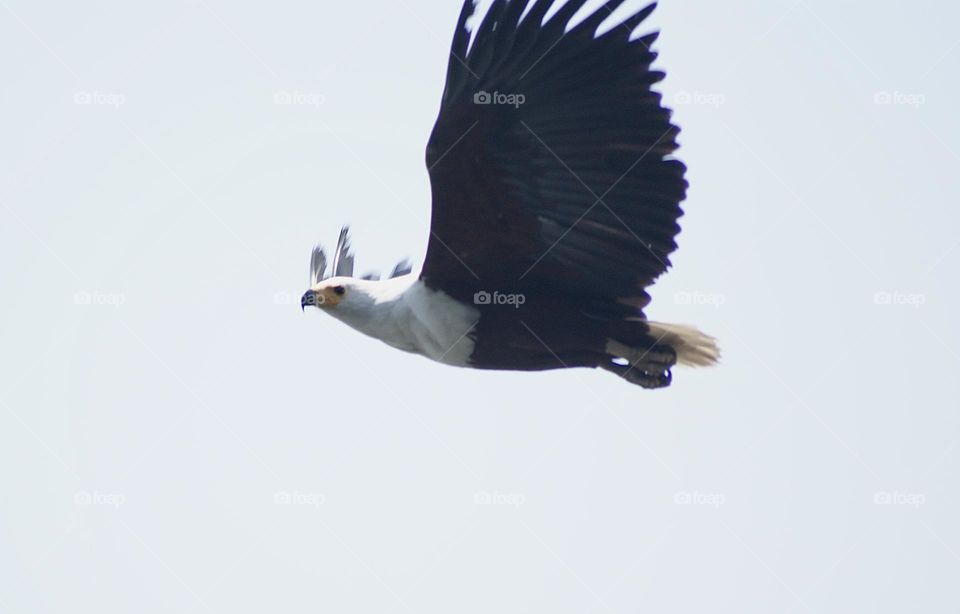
x=339, y=290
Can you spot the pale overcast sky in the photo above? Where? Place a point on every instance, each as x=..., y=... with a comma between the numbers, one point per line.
x=176, y=436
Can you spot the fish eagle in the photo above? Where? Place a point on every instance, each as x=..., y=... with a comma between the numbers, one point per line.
x=555, y=201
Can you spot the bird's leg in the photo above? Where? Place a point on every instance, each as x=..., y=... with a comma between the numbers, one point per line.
x=647, y=368
x=651, y=380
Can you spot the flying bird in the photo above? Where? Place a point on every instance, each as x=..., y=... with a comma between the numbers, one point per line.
x=555, y=206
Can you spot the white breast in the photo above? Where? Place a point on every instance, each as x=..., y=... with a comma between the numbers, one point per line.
x=440, y=325
x=406, y=314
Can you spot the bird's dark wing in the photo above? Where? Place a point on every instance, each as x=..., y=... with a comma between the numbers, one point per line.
x=550, y=161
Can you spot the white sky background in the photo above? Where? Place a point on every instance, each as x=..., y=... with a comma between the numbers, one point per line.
x=194, y=204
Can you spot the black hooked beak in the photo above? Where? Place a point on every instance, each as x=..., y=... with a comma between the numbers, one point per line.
x=309, y=299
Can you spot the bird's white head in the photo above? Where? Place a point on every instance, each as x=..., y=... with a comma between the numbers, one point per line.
x=340, y=294
x=337, y=294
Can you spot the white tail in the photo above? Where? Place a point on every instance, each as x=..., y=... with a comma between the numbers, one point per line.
x=693, y=348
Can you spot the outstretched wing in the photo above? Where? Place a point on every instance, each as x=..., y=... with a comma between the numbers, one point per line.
x=343, y=257
x=550, y=161
x=343, y=262
x=318, y=265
